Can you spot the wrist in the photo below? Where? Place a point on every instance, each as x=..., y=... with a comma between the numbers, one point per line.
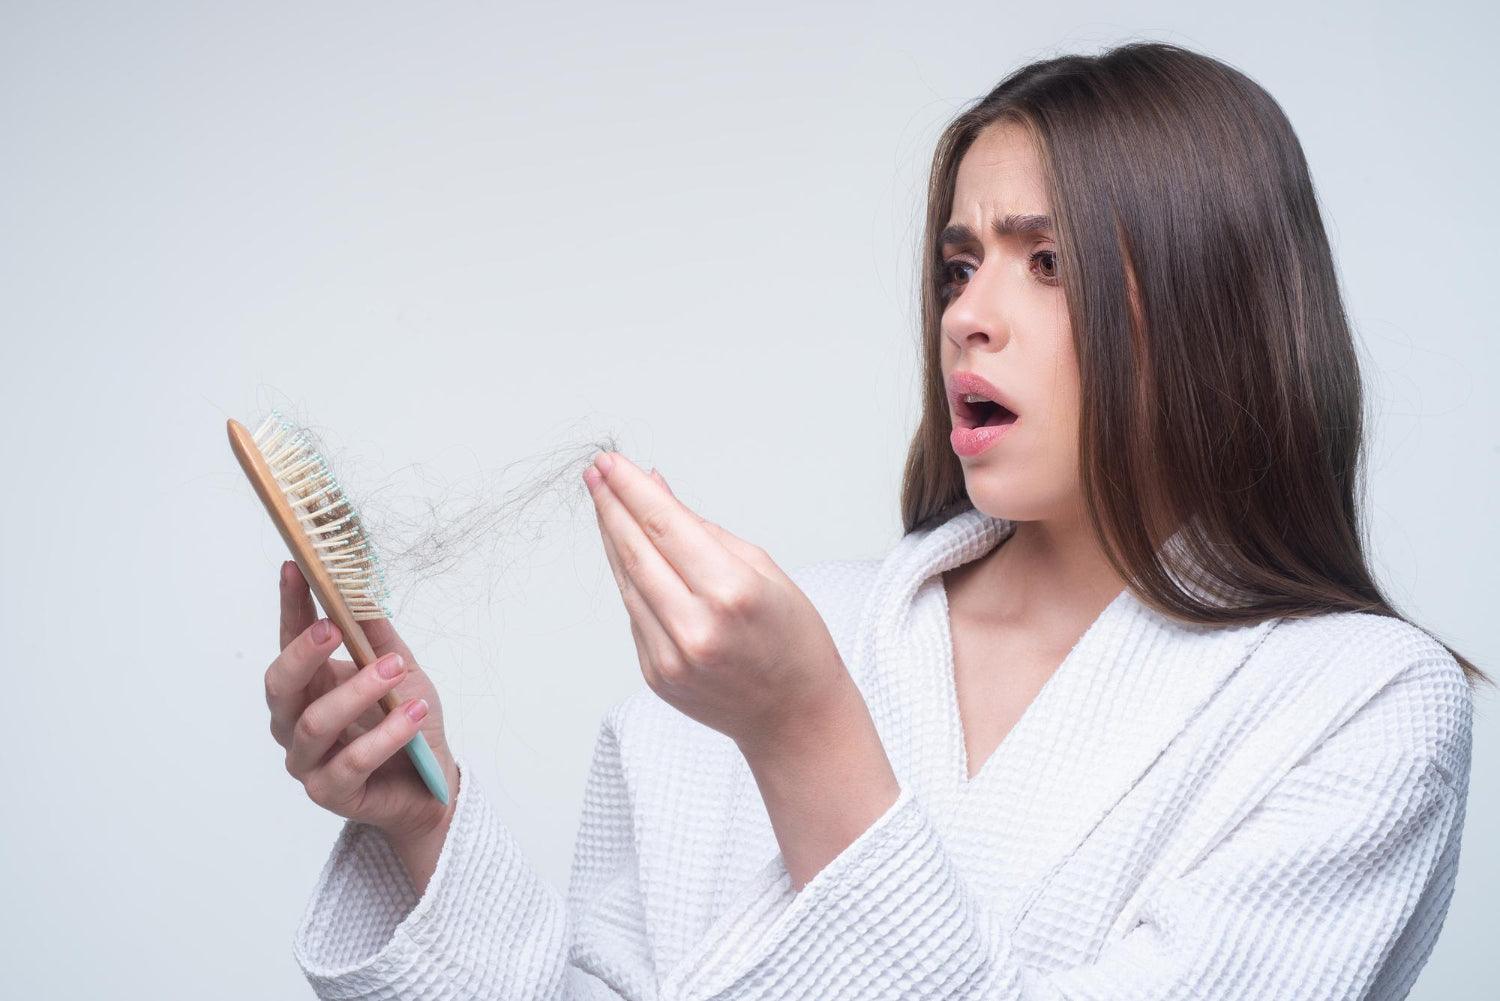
x=824, y=780
x=807, y=729
x=420, y=844
x=841, y=756
x=431, y=817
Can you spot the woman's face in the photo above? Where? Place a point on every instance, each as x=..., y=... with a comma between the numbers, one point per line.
x=1005, y=319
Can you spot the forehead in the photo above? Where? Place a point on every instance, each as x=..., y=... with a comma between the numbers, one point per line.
x=1000, y=172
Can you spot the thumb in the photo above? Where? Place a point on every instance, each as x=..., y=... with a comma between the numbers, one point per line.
x=384, y=639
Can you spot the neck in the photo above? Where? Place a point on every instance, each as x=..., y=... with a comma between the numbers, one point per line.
x=1046, y=572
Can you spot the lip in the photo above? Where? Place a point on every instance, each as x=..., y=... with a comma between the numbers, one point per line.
x=966, y=439
x=961, y=381
x=969, y=442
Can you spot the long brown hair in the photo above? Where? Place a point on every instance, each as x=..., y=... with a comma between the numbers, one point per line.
x=1220, y=383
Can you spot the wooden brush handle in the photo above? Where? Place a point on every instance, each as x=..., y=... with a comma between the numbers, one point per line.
x=318, y=578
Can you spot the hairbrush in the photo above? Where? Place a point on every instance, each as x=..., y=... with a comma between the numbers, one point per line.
x=323, y=530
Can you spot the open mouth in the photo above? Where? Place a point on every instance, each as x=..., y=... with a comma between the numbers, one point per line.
x=981, y=413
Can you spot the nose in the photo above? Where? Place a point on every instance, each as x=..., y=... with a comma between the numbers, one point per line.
x=976, y=320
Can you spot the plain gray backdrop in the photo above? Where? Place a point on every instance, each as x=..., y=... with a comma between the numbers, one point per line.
x=463, y=239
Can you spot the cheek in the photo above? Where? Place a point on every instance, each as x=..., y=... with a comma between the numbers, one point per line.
x=1058, y=430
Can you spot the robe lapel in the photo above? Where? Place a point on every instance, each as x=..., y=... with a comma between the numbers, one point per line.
x=1125, y=691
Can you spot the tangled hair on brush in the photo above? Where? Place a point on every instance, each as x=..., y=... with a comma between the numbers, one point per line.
x=422, y=534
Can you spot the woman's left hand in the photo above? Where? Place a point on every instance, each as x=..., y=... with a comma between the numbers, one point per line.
x=722, y=633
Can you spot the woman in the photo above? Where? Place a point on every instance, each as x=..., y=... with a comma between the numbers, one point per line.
x=1122, y=715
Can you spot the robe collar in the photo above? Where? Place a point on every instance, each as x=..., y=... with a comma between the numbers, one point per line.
x=1128, y=687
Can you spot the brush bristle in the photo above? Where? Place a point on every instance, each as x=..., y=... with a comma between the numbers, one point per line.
x=327, y=515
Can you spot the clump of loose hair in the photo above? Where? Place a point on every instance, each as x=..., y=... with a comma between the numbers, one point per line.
x=423, y=532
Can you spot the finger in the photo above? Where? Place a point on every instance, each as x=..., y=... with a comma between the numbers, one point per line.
x=677, y=534
x=641, y=569
x=327, y=717
x=663, y=481
x=384, y=638
x=651, y=641
x=297, y=611
x=750, y=553
x=289, y=675
x=334, y=672
x=346, y=774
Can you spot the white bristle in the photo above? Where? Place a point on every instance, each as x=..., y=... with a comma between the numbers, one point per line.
x=327, y=516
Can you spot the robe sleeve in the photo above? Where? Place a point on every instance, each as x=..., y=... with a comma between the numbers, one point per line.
x=487, y=927
x=1333, y=885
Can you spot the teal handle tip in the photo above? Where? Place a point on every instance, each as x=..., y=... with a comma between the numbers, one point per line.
x=421, y=755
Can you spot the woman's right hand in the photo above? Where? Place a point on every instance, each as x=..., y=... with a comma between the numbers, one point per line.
x=340, y=744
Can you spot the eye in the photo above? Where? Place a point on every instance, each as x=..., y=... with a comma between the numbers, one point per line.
x=1047, y=278
x=952, y=274
x=946, y=286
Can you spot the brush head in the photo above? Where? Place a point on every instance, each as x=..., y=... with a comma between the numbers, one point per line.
x=326, y=514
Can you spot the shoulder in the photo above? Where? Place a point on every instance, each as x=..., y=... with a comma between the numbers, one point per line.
x=1363, y=650
x=1381, y=686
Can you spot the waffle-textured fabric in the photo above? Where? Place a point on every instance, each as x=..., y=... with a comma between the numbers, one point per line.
x=1261, y=811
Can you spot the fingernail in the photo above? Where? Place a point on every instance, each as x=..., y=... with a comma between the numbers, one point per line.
x=391, y=666
x=286, y=572
x=605, y=462
x=416, y=710
x=592, y=477
x=321, y=629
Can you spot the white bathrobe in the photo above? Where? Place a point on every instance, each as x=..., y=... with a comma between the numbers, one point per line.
x=1262, y=811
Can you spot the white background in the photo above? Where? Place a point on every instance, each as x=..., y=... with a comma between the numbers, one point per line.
x=459, y=237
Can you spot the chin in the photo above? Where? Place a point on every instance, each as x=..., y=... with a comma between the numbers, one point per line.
x=1013, y=502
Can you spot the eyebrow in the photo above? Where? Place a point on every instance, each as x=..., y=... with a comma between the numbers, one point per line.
x=1010, y=224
